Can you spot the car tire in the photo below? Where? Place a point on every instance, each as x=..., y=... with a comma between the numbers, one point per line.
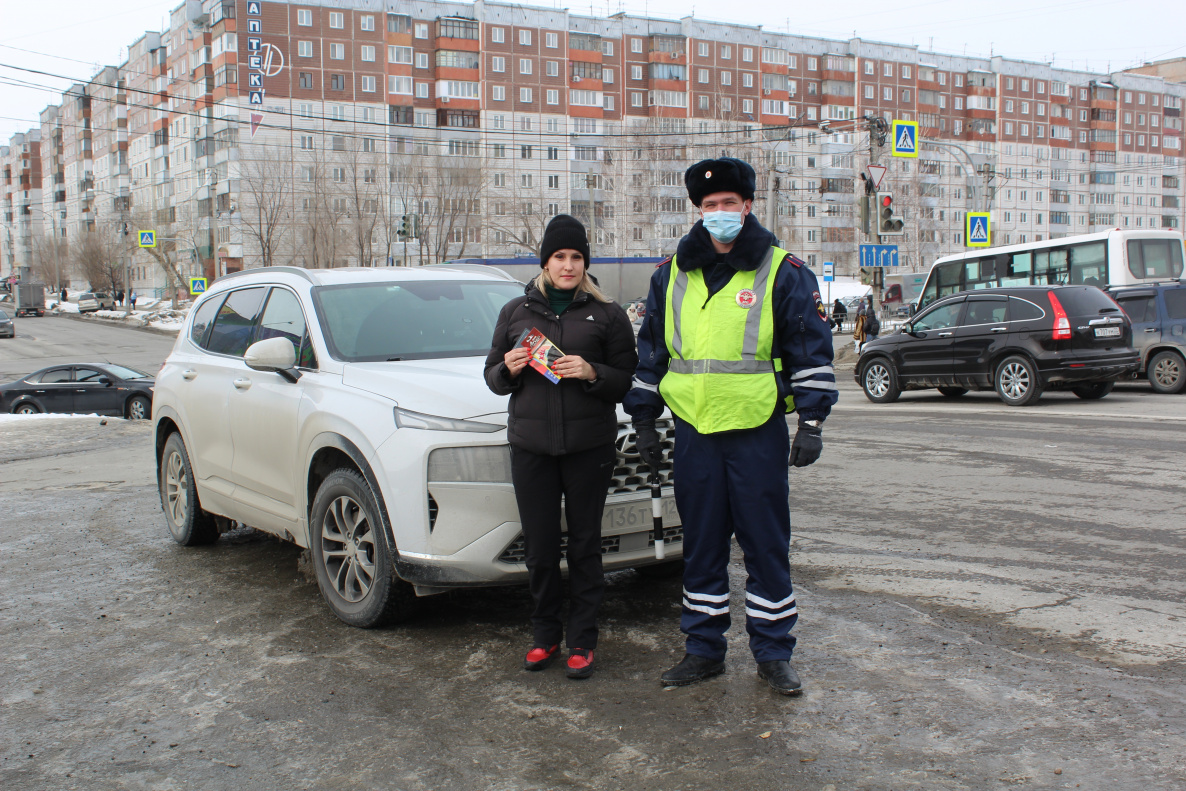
x=1167, y=372
x=1017, y=381
x=953, y=392
x=879, y=381
x=1093, y=390
x=662, y=571
x=355, y=569
x=189, y=525
x=27, y=408
x=139, y=408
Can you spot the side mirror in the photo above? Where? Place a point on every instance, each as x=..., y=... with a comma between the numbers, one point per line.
x=275, y=355
x=103, y=380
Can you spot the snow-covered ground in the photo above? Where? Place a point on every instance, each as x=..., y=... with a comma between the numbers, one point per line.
x=153, y=313
x=46, y=416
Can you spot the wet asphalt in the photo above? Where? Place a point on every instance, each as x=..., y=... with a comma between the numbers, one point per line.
x=989, y=598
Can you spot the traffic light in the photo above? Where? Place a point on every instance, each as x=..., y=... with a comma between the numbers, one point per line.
x=403, y=227
x=889, y=222
x=416, y=226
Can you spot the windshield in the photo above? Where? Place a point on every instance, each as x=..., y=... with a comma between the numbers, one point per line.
x=3, y=316
x=126, y=373
x=367, y=322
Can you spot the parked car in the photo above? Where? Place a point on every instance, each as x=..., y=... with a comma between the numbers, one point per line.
x=102, y=388
x=1158, y=315
x=346, y=410
x=91, y=301
x=1018, y=341
x=7, y=326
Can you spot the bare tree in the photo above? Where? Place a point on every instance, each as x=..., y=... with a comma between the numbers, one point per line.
x=449, y=206
x=267, y=190
x=51, y=260
x=163, y=255
x=98, y=255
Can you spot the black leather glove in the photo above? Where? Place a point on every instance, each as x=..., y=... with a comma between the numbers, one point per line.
x=647, y=442
x=808, y=444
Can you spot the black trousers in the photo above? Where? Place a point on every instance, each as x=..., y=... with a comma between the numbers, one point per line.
x=583, y=480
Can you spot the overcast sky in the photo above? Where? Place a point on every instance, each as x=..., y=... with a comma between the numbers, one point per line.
x=73, y=37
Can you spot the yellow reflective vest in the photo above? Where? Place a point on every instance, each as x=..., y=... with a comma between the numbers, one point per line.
x=721, y=375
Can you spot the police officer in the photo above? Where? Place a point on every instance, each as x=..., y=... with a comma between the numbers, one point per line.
x=734, y=338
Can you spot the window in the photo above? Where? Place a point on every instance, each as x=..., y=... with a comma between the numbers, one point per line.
x=747, y=54
x=366, y=22
x=498, y=93
x=525, y=37
x=702, y=75
x=869, y=91
x=551, y=40
x=399, y=85
x=747, y=80
x=940, y=318
x=453, y=27
x=306, y=110
x=887, y=94
x=905, y=95
x=607, y=76
x=337, y=82
x=870, y=67
x=304, y=17
x=636, y=99
x=305, y=49
x=553, y=96
x=525, y=95
x=422, y=90
x=726, y=52
x=636, y=72
x=422, y=60
x=306, y=142
x=747, y=106
x=525, y=65
x=337, y=51
x=552, y=68
x=498, y=64
x=337, y=19
x=399, y=23
x=235, y=322
x=367, y=53
x=607, y=48
x=726, y=78
x=498, y=35
x=905, y=72
x=887, y=70
x=305, y=79
x=368, y=83
x=1160, y=258
x=636, y=45
x=399, y=54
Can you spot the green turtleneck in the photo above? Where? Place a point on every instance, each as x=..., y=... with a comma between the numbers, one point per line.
x=559, y=299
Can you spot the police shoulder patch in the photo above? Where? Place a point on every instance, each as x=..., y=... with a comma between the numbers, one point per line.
x=664, y=262
x=794, y=260
x=819, y=306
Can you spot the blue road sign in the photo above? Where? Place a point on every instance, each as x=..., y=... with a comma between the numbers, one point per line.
x=905, y=136
x=147, y=238
x=879, y=255
x=197, y=285
x=828, y=272
x=978, y=228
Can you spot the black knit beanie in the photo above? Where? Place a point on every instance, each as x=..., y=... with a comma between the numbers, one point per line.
x=564, y=232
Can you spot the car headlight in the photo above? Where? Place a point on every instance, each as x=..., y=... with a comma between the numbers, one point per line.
x=483, y=464
x=405, y=418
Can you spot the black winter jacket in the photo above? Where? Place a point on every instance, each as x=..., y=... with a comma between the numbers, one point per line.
x=574, y=414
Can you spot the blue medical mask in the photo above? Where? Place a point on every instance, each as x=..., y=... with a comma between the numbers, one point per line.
x=723, y=225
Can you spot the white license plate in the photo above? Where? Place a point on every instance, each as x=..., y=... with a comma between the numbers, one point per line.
x=620, y=518
x=1107, y=332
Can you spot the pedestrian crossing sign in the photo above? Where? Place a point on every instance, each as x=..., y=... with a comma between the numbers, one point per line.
x=147, y=238
x=978, y=228
x=905, y=138
x=197, y=285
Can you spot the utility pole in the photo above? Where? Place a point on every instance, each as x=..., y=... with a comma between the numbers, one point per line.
x=771, y=200
x=877, y=129
x=590, y=181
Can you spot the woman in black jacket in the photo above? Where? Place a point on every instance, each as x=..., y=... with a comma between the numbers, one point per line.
x=562, y=435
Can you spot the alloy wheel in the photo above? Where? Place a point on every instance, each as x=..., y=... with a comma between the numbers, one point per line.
x=1167, y=371
x=348, y=549
x=1015, y=380
x=137, y=410
x=877, y=380
x=27, y=409
x=176, y=490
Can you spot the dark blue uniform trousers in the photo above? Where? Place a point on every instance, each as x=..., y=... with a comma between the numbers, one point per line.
x=735, y=483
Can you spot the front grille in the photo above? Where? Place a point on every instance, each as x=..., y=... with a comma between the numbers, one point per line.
x=671, y=535
x=630, y=474
x=517, y=551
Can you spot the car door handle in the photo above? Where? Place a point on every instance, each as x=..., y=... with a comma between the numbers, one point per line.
x=189, y=375
x=999, y=329
x=1150, y=329
x=945, y=335
x=242, y=384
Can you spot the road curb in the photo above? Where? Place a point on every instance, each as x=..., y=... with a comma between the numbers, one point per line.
x=116, y=323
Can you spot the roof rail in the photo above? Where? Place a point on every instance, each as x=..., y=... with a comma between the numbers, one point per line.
x=287, y=270
x=463, y=267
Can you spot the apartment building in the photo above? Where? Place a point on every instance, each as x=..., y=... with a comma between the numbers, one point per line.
x=316, y=133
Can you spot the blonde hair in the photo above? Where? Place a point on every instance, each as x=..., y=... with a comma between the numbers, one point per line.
x=587, y=285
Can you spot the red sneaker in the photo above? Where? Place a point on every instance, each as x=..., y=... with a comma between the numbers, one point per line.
x=580, y=663
x=538, y=658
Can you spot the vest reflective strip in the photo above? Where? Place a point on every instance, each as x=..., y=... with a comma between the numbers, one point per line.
x=751, y=366
x=753, y=322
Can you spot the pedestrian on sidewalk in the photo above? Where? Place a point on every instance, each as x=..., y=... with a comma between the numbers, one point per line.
x=734, y=338
x=839, y=314
x=858, y=329
x=562, y=435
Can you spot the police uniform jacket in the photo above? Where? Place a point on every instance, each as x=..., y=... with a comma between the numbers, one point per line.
x=802, y=337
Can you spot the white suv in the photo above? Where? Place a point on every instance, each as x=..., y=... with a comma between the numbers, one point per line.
x=345, y=410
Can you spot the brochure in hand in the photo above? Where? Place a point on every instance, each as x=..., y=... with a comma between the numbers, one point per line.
x=544, y=353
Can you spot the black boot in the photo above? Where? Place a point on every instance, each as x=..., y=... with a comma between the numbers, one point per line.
x=781, y=677
x=691, y=669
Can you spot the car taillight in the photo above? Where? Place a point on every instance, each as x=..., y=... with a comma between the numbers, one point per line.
x=1062, y=325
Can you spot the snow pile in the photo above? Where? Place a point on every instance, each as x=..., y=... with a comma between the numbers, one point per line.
x=166, y=319
x=65, y=307
x=45, y=416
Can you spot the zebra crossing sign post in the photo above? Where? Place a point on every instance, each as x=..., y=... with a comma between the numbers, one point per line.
x=905, y=138
x=978, y=229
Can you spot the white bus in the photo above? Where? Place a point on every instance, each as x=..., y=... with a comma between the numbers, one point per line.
x=1108, y=258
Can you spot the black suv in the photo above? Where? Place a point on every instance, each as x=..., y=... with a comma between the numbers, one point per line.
x=1158, y=315
x=1019, y=341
